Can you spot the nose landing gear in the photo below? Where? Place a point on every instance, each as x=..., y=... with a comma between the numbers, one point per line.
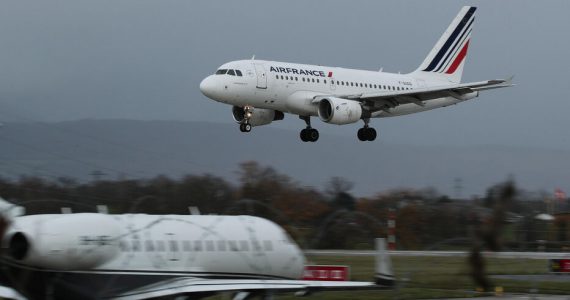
x=244, y=126
x=308, y=134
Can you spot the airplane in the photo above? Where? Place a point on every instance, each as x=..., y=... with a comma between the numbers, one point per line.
x=140, y=256
x=261, y=92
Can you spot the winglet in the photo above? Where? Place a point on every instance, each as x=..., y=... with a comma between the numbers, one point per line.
x=383, y=270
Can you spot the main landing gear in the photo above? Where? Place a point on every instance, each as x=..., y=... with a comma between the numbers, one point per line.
x=308, y=134
x=366, y=133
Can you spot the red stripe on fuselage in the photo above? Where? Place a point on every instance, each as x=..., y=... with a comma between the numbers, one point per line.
x=458, y=59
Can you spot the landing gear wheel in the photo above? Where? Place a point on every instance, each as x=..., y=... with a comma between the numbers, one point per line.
x=303, y=135
x=309, y=135
x=361, y=135
x=245, y=127
x=366, y=134
x=313, y=135
x=371, y=134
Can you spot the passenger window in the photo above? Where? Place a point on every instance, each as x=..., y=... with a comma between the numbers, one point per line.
x=313, y=79
x=221, y=71
x=149, y=246
x=124, y=246
x=325, y=81
x=282, y=77
x=256, y=245
x=209, y=245
x=173, y=246
x=198, y=246
x=231, y=72
x=222, y=245
x=361, y=85
x=238, y=73
x=186, y=246
x=296, y=78
x=233, y=246
x=160, y=246
x=136, y=246
x=268, y=246
x=244, y=246
x=303, y=79
x=277, y=76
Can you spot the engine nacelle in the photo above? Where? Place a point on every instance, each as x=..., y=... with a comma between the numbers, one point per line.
x=259, y=116
x=339, y=111
x=64, y=242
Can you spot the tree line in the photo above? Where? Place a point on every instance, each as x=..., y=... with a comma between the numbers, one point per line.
x=330, y=217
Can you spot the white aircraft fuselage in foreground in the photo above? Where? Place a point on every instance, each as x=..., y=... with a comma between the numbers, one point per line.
x=262, y=91
x=138, y=256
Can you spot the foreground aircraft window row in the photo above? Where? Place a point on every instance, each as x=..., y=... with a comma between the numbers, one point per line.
x=342, y=83
x=195, y=246
x=229, y=72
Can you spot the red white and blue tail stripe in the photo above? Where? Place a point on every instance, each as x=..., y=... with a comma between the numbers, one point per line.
x=446, y=59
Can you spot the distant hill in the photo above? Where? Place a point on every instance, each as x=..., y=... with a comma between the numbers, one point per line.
x=143, y=149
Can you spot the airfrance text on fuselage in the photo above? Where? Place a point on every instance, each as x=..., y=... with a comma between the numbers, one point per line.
x=297, y=71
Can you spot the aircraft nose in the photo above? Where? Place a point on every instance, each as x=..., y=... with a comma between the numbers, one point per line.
x=207, y=87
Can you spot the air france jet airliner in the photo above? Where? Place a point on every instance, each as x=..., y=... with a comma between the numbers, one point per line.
x=262, y=91
x=138, y=256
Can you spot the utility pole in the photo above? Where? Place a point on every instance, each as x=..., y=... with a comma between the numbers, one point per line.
x=458, y=187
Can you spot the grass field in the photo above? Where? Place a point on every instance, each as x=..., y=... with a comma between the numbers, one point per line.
x=439, y=277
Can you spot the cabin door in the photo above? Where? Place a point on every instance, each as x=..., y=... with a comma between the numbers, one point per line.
x=261, y=76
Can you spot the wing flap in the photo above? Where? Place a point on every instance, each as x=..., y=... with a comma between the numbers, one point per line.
x=390, y=99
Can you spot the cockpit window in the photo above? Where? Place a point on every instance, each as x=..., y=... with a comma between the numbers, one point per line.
x=238, y=72
x=231, y=72
x=221, y=71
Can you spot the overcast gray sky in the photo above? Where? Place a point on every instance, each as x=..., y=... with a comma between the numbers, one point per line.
x=68, y=60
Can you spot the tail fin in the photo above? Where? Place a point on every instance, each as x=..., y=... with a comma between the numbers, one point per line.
x=446, y=59
x=384, y=275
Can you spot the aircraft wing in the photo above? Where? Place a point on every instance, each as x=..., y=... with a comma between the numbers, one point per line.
x=188, y=286
x=383, y=279
x=389, y=99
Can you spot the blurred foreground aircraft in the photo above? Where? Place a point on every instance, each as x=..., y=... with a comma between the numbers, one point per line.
x=139, y=256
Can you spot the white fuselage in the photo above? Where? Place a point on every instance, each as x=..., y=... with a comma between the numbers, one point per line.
x=291, y=88
x=193, y=245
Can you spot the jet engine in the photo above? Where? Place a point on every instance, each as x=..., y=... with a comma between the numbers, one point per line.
x=256, y=116
x=339, y=111
x=57, y=242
